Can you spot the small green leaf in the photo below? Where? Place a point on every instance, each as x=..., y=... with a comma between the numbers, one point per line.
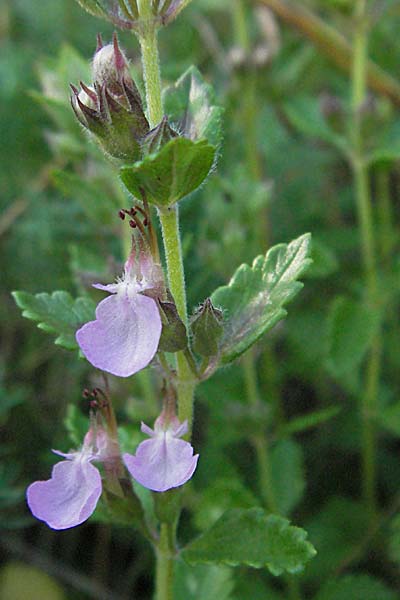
x=394, y=540
x=222, y=494
x=202, y=582
x=387, y=148
x=356, y=587
x=170, y=174
x=96, y=203
x=250, y=537
x=93, y=7
x=255, y=296
x=310, y=420
x=352, y=327
x=306, y=115
x=188, y=103
x=287, y=474
x=57, y=313
x=389, y=418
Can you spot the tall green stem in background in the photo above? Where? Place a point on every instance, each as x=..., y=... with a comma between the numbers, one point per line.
x=170, y=218
x=365, y=218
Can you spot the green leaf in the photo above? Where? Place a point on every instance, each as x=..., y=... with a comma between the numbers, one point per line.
x=356, y=587
x=250, y=537
x=306, y=115
x=16, y=578
x=324, y=261
x=222, y=494
x=310, y=420
x=336, y=531
x=170, y=174
x=255, y=296
x=387, y=148
x=287, y=473
x=203, y=582
x=394, y=540
x=352, y=328
x=188, y=103
x=389, y=418
x=96, y=203
x=93, y=7
x=57, y=313
x=76, y=424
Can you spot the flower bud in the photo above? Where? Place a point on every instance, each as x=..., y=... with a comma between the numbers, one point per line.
x=112, y=108
x=158, y=136
x=207, y=329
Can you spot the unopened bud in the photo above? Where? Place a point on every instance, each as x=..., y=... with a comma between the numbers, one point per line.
x=173, y=335
x=110, y=67
x=158, y=136
x=112, y=108
x=207, y=328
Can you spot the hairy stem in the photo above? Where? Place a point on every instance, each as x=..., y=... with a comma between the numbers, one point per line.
x=165, y=564
x=169, y=219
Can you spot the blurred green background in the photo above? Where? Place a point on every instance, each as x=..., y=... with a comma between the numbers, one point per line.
x=283, y=170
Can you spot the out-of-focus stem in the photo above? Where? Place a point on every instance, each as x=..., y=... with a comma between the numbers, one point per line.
x=365, y=218
x=333, y=44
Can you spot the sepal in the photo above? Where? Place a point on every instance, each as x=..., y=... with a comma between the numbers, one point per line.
x=207, y=328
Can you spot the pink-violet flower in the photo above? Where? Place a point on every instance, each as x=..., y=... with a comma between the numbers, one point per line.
x=164, y=461
x=70, y=496
x=124, y=337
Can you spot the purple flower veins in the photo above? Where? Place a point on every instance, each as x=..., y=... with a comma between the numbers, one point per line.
x=164, y=461
x=124, y=337
x=72, y=493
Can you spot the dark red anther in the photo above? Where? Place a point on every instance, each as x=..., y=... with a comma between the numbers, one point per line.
x=94, y=404
x=86, y=393
x=132, y=211
x=145, y=222
x=95, y=392
x=121, y=214
x=132, y=224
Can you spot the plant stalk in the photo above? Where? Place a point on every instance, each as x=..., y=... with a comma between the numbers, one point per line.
x=169, y=219
x=165, y=565
x=365, y=218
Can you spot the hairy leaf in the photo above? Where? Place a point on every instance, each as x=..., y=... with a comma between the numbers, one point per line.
x=255, y=296
x=170, y=174
x=57, y=313
x=188, y=104
x=250, y=537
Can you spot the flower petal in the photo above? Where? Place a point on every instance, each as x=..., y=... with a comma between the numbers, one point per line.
x=69, y=497
x=124, y=337
x=162, y=463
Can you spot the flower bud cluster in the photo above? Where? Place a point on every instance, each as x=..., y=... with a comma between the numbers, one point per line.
x=112, y=108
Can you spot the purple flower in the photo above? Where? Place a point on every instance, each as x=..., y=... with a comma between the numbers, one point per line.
x=124, y=337
x=164, y=461
x=72, y=493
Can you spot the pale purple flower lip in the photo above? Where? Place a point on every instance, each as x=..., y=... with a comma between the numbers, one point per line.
x=124, y=337
x=164, y=461
x=70, y=496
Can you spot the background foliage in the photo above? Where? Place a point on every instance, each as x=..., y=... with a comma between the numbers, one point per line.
x=283, y=170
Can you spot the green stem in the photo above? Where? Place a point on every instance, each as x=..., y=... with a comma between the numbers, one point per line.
x=386, y=233
x=165, y=564
x=176, y=281
x=259, y=441
x=169, y=219
x=364, y=209
x=150, y=62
